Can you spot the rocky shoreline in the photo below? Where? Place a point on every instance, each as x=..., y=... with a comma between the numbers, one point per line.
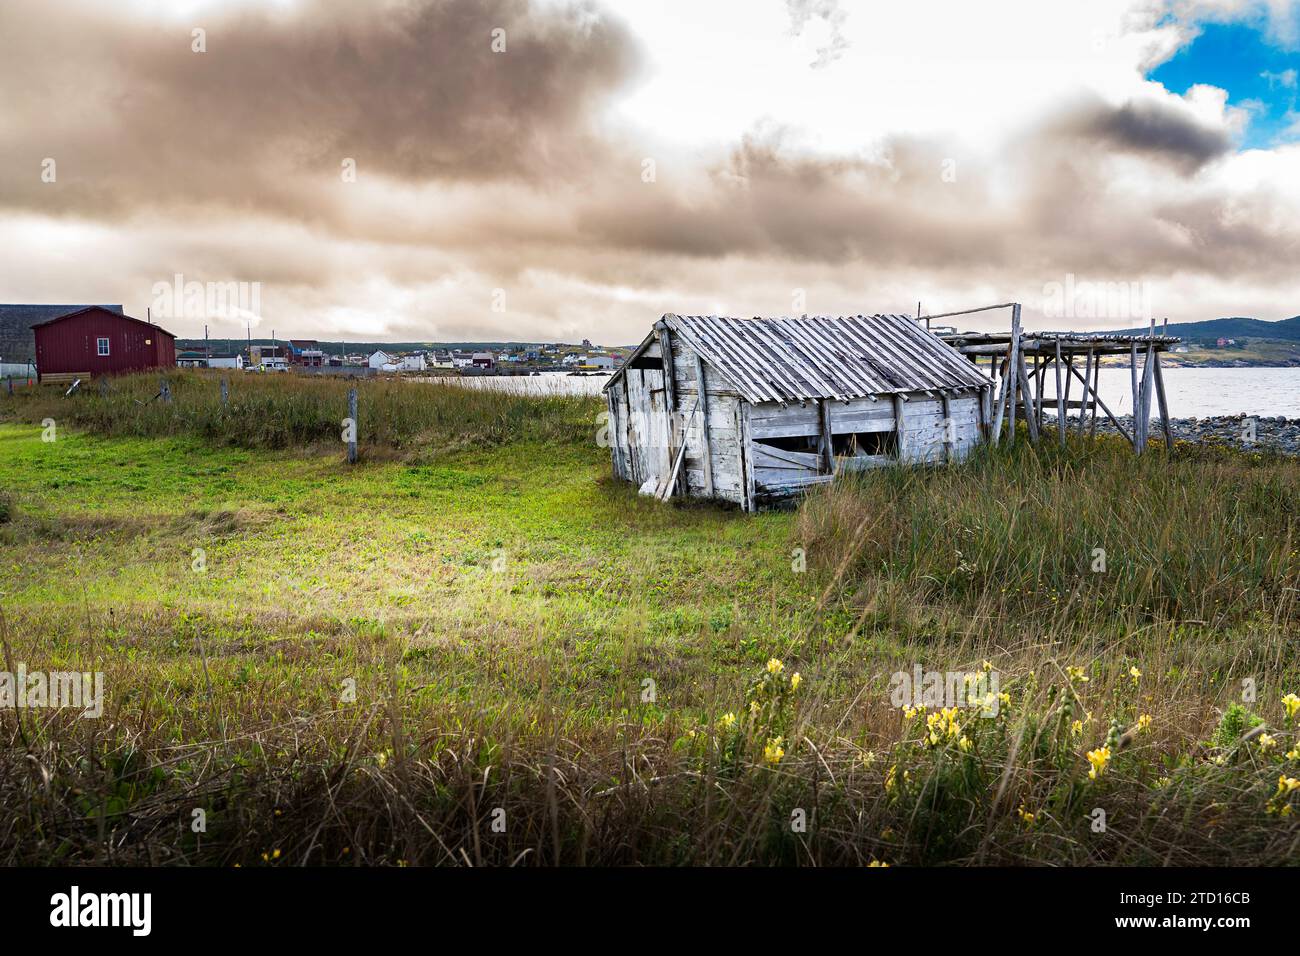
x=1274, y=433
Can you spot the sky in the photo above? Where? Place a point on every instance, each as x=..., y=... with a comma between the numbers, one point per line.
x=548, y=170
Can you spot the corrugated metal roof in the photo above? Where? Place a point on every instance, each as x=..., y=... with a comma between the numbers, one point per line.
x=793, y=360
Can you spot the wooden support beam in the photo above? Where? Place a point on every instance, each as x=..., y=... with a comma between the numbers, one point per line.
x=1145, y=411
x=706, y=452
x=1083, y=408
x=1164, y=407
x=828, y=446
x=1030, y=420
x=1133, y=381
x=947, y=428
x=1096, y=381
x=898, y=427
x=1000, y=402
x=1060, y=396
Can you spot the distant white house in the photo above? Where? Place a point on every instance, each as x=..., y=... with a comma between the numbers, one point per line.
x=441, y=359
x=462, y=359
x=414, y=362
x=571, y=359
x=233, y=360
x=601, y=361
x=381, y=360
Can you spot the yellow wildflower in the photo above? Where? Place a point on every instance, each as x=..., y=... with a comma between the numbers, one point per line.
x=1267, y=741
x=795, y=681
x=1134, y=673
x=964, y=745
x=1076, y=728
x=1144, y=722
x=774, y=666
x=1292, y=704
x=1005, y=698
x=877, y=863
x=773, y=752
x=1025, y=816
x=1100, y=759
x=1076, y=673
x=727, y=721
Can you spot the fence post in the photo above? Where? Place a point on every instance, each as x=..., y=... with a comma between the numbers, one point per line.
x=11, y=384
x=352, y=417
x=225, y=394
x=103, y=387
x=164, y=390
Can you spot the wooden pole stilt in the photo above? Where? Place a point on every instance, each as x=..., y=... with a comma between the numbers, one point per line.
x=1060, y=396
x=1164, y=406
x=1083, y=406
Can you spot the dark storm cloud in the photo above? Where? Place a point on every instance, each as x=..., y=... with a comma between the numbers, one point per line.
x=410, y=90
x=1148, y=128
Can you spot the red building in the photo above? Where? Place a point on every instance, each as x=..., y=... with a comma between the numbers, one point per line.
x=95, y=341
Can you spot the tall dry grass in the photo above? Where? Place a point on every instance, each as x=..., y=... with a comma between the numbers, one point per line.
x=1123, y=687
x=288, y=411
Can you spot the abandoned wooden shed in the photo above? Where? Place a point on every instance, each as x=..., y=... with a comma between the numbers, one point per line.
x=787, y=403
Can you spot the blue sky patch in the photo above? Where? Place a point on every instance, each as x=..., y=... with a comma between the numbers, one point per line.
x=1256, y=73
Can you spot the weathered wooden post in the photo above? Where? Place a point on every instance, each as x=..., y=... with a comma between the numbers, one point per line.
x=11, y=384
x=225, y=394
x=1060, y=395
x=352, y=430
x=165, y=390
x=103, y=388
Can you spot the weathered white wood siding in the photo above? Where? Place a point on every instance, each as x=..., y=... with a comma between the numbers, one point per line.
x=639, y=424
x=926, y=437
x=722, y=428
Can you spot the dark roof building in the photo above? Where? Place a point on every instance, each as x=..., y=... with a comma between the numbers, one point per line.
x=98, y=341
x=17, y=343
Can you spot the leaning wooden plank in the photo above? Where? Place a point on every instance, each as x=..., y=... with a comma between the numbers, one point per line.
x=681, y=453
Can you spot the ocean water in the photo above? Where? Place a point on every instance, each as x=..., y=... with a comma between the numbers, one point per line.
x=1203, y=392
x=1192, y=392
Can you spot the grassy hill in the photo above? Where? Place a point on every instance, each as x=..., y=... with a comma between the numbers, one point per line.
x=372, y=663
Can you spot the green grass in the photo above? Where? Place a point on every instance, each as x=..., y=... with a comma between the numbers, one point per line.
x=500, y=605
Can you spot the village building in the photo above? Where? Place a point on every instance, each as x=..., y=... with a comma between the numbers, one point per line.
x=383, y=361
x=753, y=411
x=98, y=341
x=483, y=360
x=226, y=360
x=192, y=358
x=415, y=362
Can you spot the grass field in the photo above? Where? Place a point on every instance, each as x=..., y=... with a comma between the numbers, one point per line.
x=477, y=648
